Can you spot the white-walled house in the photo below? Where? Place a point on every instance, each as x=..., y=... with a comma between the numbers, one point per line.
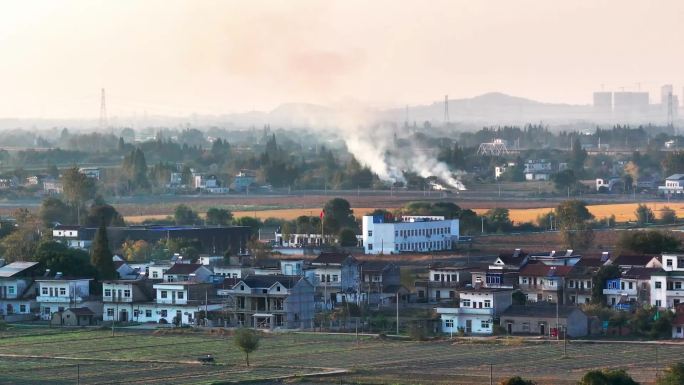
x=18, y=290
x=157, y=269
x=58, y=294
x=667, y=286
x=410, y=234
x=180, y=272
x=442, y=283
x=477, y=311
x=125, y=300
x=674, y=185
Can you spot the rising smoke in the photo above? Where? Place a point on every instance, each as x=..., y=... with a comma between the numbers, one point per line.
x=377, y=145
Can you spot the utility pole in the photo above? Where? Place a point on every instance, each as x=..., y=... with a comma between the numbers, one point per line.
x=491, y=375
x=397, y=311
x=78, y=374
x=565, y=341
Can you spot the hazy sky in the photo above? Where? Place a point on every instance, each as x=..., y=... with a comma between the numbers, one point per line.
x=179, y=57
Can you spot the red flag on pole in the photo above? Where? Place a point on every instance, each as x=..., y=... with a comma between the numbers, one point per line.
x=322, y=214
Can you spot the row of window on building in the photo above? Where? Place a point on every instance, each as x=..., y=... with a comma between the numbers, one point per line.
x=418, y=232
x=409, y=246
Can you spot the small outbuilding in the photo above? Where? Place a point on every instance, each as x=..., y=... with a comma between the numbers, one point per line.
x=543, y=318
x=78, y=316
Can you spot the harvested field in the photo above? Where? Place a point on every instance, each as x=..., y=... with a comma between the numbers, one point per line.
x=55, y=357
x=623, y=212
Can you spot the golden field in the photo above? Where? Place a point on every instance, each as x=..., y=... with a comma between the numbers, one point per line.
x=623, y=212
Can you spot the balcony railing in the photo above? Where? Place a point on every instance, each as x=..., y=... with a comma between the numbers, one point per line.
x=465, y=310
x=439, y=284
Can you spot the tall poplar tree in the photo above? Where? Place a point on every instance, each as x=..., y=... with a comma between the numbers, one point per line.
x=101, y=256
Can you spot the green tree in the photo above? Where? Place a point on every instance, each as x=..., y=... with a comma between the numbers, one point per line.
x=498, y=220
x=517, y=380
x=347, y=238
x=247, y=340
x=673, y=163
x=674, y=375
x=607, y=377
x=183, y=215
x=217, y=216
x=58, y=257
x=647, y=242
x=77, y=187
x=668, y=216
x=134, y=168
x=598, y=282
x=20, y=244
x=102, y=213
x=54, y=210
x=644, y=215
x=253, y=223
x=578, y=156
x=565, y=181
x=101, y=256
x=573, y=221
x=337, y=215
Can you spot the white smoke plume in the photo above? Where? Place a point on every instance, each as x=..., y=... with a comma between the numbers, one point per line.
x=373, y=144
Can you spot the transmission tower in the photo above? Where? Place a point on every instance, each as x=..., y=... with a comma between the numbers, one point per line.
x=103, y=112
x=446, y=108
x=670, y=110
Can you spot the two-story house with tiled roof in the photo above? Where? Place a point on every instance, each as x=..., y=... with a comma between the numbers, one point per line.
x=181, y=272
x=272, y=301
x=540, y=282
x=60, y=293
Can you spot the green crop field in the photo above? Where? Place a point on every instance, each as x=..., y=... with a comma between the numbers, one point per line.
x=53, y=356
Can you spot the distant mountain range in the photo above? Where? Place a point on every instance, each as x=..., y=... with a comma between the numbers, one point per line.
x=489, y=108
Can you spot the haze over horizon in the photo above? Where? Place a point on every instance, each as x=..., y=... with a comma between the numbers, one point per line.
x=182, y=57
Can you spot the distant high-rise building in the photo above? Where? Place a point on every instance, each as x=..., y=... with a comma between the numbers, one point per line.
x=630, y=106
x=603, y=101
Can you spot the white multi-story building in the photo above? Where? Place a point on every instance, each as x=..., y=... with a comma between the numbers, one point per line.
x=411, y=234
x=58, y=294
x=667, y=286
x=674, y=184
x=477, y=310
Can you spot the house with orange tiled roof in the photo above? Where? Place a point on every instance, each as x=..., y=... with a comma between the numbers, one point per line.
x=540, y=282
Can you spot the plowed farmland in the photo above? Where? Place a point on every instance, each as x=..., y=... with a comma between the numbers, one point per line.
x=141, y=357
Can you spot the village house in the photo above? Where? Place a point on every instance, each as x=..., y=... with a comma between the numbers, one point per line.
x=545, y=320
x=18, y=290
x=674, y=185
x=537, y=169
x=476, y=311
x=442, y=283
x=381, y=283
x=60, y=293
x=75, y=316
x=667, y=286
x=678, y=322
x=556, y=259
x=503, y=272
x=540, y=282
x=123, y=299
x=272, y=301
x=181, y=303
x=181, y=272
x=578, y=284
x=334, y=273
x=631, y=289
x=628, y=261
